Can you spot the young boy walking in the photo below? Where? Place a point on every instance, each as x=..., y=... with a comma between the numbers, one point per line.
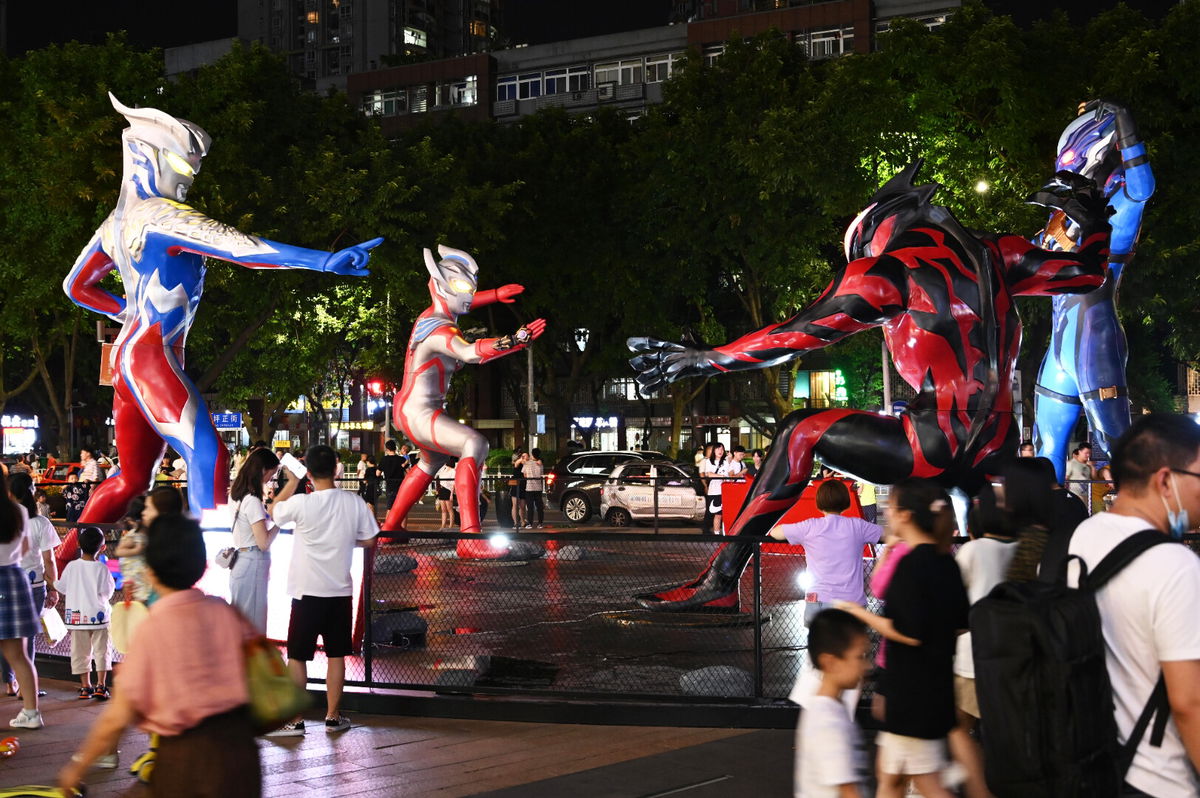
x=87, y=587
x=829, y=756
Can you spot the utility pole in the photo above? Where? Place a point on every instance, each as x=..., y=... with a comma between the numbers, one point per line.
x=887, y=380
x=531, y=421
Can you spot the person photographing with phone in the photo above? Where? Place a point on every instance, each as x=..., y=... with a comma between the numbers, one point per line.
x=328, y=524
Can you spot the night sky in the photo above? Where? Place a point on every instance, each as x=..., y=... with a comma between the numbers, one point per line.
x=168, y=23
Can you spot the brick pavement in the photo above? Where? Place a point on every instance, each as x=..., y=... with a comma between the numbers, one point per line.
x=407, y=756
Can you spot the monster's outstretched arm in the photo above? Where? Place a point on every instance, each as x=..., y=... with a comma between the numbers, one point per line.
x=865, y=294
x=188, y=230
x=1031, y=271
x=82, y=284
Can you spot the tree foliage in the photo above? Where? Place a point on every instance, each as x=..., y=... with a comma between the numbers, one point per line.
x=717, y=213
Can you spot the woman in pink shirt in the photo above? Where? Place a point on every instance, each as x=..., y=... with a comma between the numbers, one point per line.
x=184, y=679
x=833, y=547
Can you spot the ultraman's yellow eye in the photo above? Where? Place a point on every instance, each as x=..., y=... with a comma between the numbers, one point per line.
x=179, y=164
x=461, y=286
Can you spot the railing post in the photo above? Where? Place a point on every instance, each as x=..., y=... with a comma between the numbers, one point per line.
x=654, y=491
x=758, y=643
x=368, y=611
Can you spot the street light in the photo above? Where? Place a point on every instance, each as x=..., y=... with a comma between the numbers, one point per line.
x=982, y=187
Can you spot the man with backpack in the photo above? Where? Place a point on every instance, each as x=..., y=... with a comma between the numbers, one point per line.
x=1089, y=677
x=1148, y=609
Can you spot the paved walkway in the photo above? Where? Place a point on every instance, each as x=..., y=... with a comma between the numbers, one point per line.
x=406, y=756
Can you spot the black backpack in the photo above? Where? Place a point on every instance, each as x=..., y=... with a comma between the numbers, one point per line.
x=1045, y=701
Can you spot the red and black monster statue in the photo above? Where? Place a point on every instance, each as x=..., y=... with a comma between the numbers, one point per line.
x=944, y=297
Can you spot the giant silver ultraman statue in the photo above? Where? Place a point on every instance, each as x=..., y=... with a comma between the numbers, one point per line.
x=158, y=245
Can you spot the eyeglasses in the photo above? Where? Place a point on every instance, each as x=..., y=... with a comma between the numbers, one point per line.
x=1185, y=471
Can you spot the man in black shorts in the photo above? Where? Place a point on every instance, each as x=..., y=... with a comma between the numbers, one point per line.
x=328, y=524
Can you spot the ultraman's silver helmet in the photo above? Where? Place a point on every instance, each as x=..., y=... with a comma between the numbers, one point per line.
x=161, y=153
x=454, y=278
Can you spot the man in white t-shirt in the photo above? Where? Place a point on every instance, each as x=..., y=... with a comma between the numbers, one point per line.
x=1148, y=610
x=328, y=524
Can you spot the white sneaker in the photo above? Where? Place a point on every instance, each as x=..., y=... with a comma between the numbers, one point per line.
x=27, y=719
x=106, y=761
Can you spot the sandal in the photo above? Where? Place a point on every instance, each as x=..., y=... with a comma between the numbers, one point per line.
x=12, y=689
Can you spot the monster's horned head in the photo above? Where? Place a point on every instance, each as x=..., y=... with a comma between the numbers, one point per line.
x=893, y=205
x=452, y=280
x=162, y=153
x=1088, y=147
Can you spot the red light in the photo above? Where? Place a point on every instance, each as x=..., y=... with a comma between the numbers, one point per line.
x=375, y=387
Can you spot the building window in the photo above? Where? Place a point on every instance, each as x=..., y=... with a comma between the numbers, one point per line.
x=479, y=28
x=658, y=68
x=419, y=99
x=313, y=18
x=608, y=73
x=529, y=86
x=415, y=37
x=506, y=88
x=631, y=72
x=711, y=54
x=578, y=78
x=465, y=92
x=555, y=81
x=824, y=43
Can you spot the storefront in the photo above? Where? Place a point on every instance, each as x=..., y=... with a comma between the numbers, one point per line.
x=20, y=433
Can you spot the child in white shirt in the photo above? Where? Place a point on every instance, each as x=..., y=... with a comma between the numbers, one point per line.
x=87, y=587
x=829, y=756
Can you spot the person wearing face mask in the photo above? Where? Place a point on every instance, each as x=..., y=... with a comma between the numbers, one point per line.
x=1148, y=610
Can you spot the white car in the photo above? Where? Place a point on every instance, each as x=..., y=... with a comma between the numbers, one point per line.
x=628, y=494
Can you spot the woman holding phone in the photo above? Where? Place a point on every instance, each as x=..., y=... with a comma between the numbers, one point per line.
x=253, y=533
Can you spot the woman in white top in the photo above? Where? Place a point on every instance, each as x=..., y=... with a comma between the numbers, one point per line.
x=18, y=617
x=38, y=563
x=253, y=534
x=712, y=469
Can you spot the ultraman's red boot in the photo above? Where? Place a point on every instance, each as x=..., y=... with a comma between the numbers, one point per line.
x=466, y=486
x=416, y=481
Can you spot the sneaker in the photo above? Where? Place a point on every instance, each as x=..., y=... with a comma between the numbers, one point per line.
x=293, y=729
x=106, y=761
x=101, y=693
x=338, y=724
x=27, y=719
x=85, y=693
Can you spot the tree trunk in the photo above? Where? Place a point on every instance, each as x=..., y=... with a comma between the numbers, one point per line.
x=60, y=403
x=6, y=394
x=214, y=370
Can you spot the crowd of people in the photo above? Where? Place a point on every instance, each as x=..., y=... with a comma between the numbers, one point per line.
x=926, y=703
x=1023, y=526
x=194, y=706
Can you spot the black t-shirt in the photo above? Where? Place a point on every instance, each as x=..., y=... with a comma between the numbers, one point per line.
x=392, y=466
x=925, y=600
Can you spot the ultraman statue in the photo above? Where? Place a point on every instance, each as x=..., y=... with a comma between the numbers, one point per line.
x=158, y=245
x=436, y=350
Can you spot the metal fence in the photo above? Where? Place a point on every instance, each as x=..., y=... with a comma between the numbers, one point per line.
x=565, y=623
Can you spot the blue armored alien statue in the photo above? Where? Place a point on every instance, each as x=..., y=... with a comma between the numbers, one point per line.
x=1084, y=368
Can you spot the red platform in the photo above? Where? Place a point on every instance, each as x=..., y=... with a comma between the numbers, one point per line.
x=733, y=494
